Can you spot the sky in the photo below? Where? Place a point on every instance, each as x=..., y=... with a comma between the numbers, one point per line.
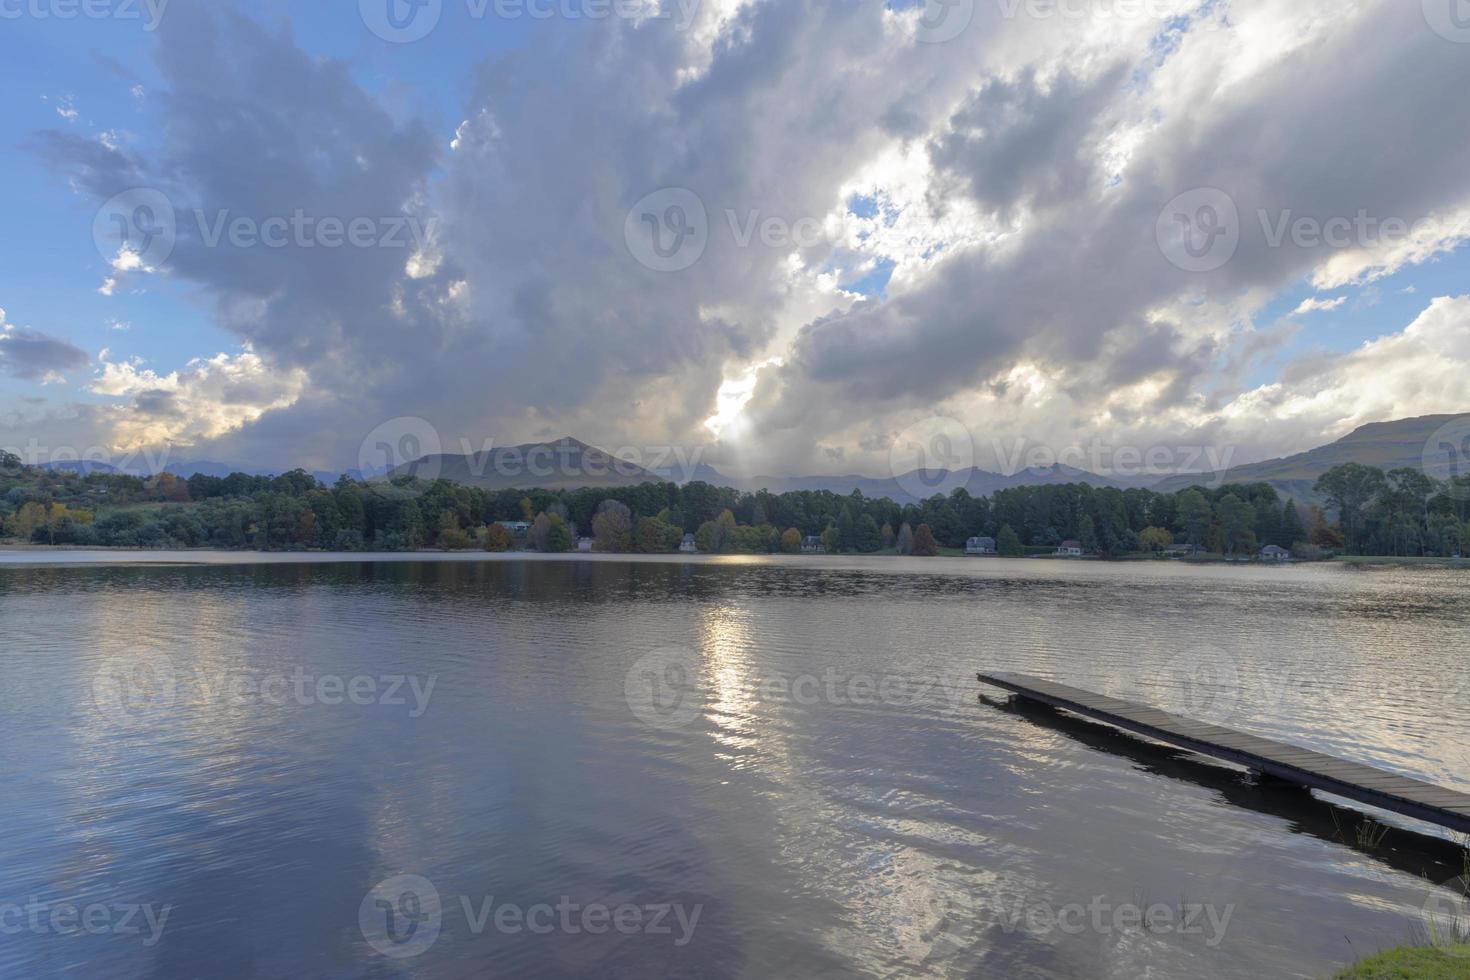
x=793, y=238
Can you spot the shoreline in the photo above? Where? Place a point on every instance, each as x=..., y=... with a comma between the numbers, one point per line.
x=17, y=555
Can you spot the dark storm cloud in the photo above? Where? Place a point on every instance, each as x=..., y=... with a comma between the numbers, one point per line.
x=32, y=355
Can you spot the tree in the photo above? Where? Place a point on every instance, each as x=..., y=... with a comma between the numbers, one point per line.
x=1292, y=529
x=1323, y=535
x=866, y=537
x=791, y=541
x=1350, y=489
x=1009, y=543
x=1196, y=515
x=656, y=537
x=497, y=538
x=1237, y=524
x=905, y=542
x=886, y=534
x=709, y=537
x=612, y=527
x=559, y=538
x=540, y=531
x=925, y=545
x=1154, y=539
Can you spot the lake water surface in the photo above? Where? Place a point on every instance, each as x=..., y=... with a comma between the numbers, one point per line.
x=269, y=766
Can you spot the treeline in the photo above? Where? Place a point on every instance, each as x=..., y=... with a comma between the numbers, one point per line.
x=1402, y=512
x=1398, y=513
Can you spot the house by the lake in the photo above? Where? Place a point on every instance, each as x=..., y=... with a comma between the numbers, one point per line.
x=1275, y=553
x=517, y=529
x=1069, y=549
x=688, y=546
x=584, y=544
x=812, y=545
x=980, y=546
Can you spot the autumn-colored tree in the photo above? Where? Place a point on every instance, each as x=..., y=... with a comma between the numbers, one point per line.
x=612, y=527
x=497, y=538
x=1154, y=539
x=925, y=546
x=791, y=541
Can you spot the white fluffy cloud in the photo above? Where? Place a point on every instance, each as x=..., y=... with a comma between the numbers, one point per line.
x=1010, y=178
x=207, y=399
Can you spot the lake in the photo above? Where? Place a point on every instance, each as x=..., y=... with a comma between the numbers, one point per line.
x=318, y=766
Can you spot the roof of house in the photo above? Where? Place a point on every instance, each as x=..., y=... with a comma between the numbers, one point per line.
x=1274, y=549
x=1072, y=544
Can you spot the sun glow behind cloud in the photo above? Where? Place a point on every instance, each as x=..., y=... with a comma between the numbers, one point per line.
x=731, y=400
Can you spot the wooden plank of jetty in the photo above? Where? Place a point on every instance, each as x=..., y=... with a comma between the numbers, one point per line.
x=1289, y=763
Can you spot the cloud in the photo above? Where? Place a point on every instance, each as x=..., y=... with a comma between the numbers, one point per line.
x=34, y=356
x=207, y=399
x=1315, y=304
x=1011, y=178
x=1420, y=370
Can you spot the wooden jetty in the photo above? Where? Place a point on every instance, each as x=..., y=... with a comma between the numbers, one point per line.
x=1276, y=760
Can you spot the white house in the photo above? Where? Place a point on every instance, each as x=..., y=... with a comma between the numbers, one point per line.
x=584, y=544
x=688, y=546
x=1070, y=549
x=1275, y=553
x=812, y=545
x=980, y=546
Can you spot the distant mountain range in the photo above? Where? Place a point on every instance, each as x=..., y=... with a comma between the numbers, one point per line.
x=139, y=467
x=569, y=463
x=1386, y=445
x=910, y=487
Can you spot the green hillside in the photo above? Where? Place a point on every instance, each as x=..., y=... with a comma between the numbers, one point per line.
x=1386, y=445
